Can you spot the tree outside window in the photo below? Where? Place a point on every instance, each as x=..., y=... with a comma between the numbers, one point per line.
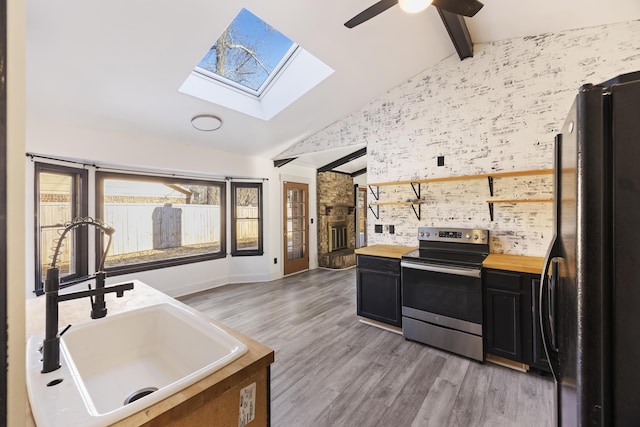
x=248, y=52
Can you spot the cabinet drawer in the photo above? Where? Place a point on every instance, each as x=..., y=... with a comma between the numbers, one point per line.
x=377, y=263
x=503, y=280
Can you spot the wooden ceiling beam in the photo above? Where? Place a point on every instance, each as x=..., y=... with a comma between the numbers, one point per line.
x=458, y=32
x=343, y=160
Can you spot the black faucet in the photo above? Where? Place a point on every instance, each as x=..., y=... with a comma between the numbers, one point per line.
x=51, y=343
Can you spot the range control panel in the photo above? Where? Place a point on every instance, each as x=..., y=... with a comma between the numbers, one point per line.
x=458, y=235
x=450, y=234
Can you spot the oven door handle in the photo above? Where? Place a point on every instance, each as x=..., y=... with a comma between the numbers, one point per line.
x=468, y=272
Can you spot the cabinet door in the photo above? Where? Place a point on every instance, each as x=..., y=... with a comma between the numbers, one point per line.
x=379, y=296
x=507, y=315
x=504, y=330
x=539, y=356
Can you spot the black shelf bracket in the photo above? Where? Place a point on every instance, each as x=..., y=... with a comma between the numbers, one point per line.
x=375, y=213
x=417, y=192
x=376, y=194
x=490, y=179
x=418, y=211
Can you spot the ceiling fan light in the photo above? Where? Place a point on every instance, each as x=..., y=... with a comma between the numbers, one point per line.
x=413, y=6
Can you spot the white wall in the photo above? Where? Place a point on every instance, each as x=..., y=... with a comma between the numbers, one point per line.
x=497, y=111
x=68, y=141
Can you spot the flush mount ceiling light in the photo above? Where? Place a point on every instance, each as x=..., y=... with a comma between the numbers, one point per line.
x=414, y=6
x=206, y=122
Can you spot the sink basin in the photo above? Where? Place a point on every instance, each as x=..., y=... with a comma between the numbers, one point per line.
x=119, y=365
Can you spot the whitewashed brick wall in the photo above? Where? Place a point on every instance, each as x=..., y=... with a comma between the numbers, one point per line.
x=497, y=111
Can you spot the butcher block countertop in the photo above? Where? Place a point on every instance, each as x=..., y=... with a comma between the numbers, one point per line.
x=387, y=251
x=77, y=311
x=522, y=264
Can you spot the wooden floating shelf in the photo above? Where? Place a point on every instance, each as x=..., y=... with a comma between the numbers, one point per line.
x=415, y=185
x=520, y=201
x=468, y=177
x=394, y=203
x=382, y=184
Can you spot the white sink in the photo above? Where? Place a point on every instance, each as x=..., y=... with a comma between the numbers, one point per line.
x=142, y=356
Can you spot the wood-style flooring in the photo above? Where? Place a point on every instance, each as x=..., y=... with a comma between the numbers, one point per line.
x=331, y=370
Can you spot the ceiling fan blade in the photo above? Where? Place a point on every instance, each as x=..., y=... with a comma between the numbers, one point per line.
x=459, y=7
x=370, y=12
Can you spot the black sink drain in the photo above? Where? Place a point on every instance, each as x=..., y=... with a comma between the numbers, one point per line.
x=139, y=394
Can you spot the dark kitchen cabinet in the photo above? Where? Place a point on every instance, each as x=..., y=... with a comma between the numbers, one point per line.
x=508, y=315
x=512, y=320
x=378, y=289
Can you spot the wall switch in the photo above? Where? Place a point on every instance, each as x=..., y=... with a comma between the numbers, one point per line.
x=392, y=229
x=378, y=228
x=311, y=220
x=440, y=160
x=275, y=260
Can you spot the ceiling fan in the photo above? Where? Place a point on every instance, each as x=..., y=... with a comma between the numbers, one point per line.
x=459, y=7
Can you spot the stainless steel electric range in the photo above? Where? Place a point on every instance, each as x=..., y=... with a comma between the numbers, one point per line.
x=442, y=290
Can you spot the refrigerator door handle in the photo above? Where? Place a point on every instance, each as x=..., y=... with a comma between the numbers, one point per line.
x=551, y=301
x=547, y=309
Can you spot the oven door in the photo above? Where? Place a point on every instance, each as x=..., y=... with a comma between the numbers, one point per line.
x=449, y=291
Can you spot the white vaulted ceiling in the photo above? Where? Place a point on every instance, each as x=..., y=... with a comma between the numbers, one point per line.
x=116, y=66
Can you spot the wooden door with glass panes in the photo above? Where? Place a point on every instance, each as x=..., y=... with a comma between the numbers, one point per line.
x=296, y=230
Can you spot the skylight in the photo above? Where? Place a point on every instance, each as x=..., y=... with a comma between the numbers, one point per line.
x=248, y=53
x=254, y=69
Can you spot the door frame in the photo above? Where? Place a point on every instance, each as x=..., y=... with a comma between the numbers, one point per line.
x=306, y=260
x=3, y=214
x=357, y=190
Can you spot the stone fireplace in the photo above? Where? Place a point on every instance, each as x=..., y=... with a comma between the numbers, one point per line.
x=336, y=220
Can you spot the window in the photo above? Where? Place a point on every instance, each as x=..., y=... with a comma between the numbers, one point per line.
x=246, y=218
x=247, y=54
x=160, y=222
x=61, y=195
x=253, y=68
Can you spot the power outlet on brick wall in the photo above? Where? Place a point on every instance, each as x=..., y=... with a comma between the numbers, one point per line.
x=378, y=228
x=440, y=160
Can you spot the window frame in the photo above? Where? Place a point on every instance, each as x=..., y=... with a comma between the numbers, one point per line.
x=168, y=262
x=234, y=246
x=80, y=208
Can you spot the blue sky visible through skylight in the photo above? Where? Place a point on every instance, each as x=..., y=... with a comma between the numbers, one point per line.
x=247, y=52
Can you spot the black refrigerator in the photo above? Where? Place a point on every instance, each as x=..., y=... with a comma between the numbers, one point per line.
x=590, y=298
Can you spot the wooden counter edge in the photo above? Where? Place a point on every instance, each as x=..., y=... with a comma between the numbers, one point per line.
x=387, y=251
x=519, y=263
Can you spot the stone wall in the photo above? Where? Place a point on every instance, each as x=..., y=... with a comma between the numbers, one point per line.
x=497, y=111
x=335, y=205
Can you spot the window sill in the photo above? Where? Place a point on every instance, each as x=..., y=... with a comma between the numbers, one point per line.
x=155, y=265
